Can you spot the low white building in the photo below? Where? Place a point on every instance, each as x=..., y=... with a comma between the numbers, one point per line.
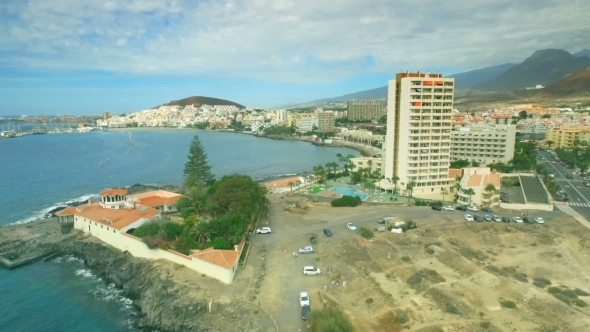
x=117, y=215
x=305, y=124
x=478, y=179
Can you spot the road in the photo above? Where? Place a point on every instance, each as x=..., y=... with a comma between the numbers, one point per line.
x=579, y=194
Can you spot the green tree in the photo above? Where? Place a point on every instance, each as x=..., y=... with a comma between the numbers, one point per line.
x=523, y=115
x=410, y=186
x=291, y=184
x=238, y=194
x=197, y=168
x=371, y=187
x=329, y=319
x=332, y=166
x=474, y=163
x=507, y=185
x=201, y=232
x=549, y=143
x=444, y=192
x=341, y=159
x=460, y=163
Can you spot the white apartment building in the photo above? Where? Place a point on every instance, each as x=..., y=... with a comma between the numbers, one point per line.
x=484, y=143
x=533, y=126
x=281, y=116
x=305, y=124
x=418, y=140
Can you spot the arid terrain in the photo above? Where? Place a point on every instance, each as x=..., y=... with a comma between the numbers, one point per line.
x=447, y=275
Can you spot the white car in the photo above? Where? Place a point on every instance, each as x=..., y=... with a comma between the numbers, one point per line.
x=351, y=226
x=539, y=220
x=263, y=230
x=517, y=220
x=468, y=217
x=311, y=271
x=306, y=250
x=496, y=218
x=303, y=298
x=472, y=208
x=449, y=208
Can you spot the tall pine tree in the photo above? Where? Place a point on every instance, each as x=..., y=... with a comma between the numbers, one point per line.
x=197, y=168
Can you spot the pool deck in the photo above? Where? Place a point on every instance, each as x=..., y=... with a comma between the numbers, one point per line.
x=330, y=193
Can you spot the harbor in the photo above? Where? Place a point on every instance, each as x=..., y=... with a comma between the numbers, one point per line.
x=15, y=130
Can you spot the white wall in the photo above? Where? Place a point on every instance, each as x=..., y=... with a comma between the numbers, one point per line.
x=134, y=245
x=514, y=206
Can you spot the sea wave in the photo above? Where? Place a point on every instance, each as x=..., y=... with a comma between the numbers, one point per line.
x=47, y=212
x=270, y=177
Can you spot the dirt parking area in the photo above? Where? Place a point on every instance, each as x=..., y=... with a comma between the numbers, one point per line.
x=448, y=275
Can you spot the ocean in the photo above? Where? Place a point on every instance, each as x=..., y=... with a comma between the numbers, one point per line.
x=39, y=173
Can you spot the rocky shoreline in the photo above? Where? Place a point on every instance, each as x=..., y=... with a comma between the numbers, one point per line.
x=168, y=297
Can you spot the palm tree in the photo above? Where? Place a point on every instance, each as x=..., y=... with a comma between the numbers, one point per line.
x=201, y=232
x=395, y=181
x=444, y=192
x=332, y=166
x=470, y=192
x=370, y=166
x=490, y=188
x=371, y=187
x=298, y=183
x=410, y=187
x=291, y=184
x=341, y=159
x=458, y=183
x=549, y=143
x=507, y=184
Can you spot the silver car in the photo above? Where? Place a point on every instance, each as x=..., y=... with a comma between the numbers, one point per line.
x=306, y=250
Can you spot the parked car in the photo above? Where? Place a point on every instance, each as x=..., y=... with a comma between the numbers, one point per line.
x=448, y=208
x=461, y=208
x=303, y=298
x=496, y=218
x=468, y=217
x=486, y=209
x=472, y=208
x=436, y=207
x=306, y=250
x=305, y=312
x=505, y=219
x=529, y=220
x=487, y=217
x=381, y=221
x=478, y=218
x=517, y=220
x=311, y=271
x=263, y=230
x=328, y=232
x=351, y=226
x=539, y=220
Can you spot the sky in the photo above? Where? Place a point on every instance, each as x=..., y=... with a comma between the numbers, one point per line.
x=88, y=56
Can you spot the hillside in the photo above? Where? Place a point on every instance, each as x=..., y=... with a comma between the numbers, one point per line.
x=574, y=85
x=543, y=67
x=583, y=52
x=462, y=81
x=199, y=100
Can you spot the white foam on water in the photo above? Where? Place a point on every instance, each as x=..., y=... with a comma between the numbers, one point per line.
x=45, y=213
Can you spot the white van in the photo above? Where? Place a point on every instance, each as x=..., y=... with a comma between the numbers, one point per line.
x=311, y=271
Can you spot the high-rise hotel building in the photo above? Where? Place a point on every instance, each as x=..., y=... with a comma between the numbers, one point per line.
x=419, y=122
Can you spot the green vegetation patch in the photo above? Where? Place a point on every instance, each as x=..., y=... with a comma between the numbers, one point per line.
x=346, y=201
x=541, y=282
x=424, y=278
x=329, y=319
x=470, y=253
x=366, y=233
x=508, y=304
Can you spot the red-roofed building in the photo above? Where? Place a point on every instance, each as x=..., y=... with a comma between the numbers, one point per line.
x=478, y=179
x=162, y=200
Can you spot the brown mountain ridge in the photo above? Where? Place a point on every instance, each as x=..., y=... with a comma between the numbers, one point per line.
x=200, y=100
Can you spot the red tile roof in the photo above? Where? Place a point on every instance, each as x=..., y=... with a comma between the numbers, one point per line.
x=114, y=192
x=158, y=200
x=116, y=218
x=223, y=258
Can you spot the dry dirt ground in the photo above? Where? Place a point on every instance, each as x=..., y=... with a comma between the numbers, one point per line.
x=449, y=275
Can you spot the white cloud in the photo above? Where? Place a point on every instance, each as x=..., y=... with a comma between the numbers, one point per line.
x=284, y=40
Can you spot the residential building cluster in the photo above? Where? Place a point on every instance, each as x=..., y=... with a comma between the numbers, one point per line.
x=366, y=110
x=568, y=136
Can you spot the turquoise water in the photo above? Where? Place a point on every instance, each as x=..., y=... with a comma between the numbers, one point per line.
x=350, y=192
x=41, y=172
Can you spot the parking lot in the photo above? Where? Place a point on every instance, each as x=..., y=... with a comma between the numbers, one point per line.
x=533, y=190
x=292, y=227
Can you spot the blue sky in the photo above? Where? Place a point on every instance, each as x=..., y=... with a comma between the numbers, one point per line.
x=85, y=57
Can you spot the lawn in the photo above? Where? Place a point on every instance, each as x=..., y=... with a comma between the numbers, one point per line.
x=317, y=189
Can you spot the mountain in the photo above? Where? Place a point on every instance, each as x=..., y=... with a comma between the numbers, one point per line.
x=199, y=100
x=477, y=76
x=543, y=67
x=462, y=81
x=583, y=52
x=574, y=85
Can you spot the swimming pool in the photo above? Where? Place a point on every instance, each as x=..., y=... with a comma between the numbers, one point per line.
x=350, y=192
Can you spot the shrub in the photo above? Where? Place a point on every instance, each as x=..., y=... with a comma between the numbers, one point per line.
x=219, y=243
x=580, y=292
x=493, y=269
x=366, y=233
x=451, y=309
x=411, y=225
x=152, y=242
x=329, y=319
x=430, y=251
x=406, y=259
x=579, y=303
x=424, y=278
x=172, y=230
x=562, y=298
x=346, y=201
x=150, y=229
x=554, y=290
x=570, y=293
x=508, y=304
x=521, y=277
x=541, y=282
x=485, y=325
x=401, y=318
